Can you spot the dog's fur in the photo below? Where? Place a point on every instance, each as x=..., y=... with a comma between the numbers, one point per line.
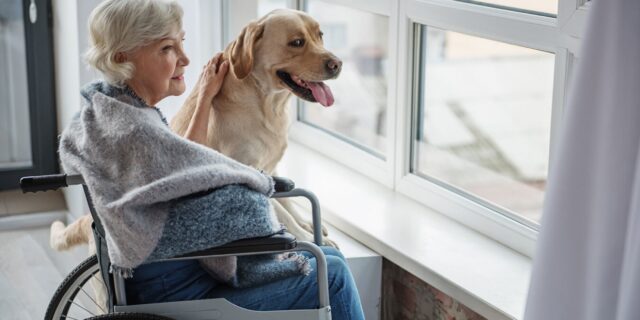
x=249, y=119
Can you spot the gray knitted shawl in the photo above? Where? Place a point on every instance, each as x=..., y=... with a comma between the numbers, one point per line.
x=143, y=177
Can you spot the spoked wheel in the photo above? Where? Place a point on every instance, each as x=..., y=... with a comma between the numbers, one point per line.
x=76, y=297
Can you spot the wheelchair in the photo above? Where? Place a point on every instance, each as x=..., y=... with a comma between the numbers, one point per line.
x=74, y=299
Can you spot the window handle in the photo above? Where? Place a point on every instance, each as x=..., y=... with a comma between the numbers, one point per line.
x=33, y=12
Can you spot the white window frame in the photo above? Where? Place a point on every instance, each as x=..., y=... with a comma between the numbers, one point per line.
x=536, y=32
x=560, y=35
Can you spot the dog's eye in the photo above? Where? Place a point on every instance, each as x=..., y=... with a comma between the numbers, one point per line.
x=321, y=34
x=297, y=43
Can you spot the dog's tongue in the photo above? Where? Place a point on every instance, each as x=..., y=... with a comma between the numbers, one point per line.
x=321, y=92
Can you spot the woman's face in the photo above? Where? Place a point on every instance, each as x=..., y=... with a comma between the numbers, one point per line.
x=159, y=69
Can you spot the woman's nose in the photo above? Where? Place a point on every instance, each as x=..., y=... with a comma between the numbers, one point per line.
x=184, y=59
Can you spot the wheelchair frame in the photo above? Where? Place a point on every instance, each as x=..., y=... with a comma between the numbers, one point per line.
x=218, y=308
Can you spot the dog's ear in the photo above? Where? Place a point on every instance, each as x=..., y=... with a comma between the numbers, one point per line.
x=242, y=49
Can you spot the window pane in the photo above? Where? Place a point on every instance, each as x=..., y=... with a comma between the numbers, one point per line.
x=15, y=133
x=546, y=7
x=484, y=119
x=266, y=6
x=359, y=39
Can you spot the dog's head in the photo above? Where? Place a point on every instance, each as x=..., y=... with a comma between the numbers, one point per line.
x=284, y=50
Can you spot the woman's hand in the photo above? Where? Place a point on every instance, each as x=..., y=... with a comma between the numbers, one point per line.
x=209, y=85
x=212, y=77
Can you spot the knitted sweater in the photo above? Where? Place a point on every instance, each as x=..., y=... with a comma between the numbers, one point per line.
x=159, y=195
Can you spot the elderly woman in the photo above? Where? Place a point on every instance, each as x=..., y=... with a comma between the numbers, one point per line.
x=158, y=194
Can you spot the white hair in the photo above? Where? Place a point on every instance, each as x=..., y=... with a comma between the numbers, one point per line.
x=122, y=26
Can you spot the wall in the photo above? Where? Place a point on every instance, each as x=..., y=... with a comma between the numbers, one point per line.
x=407, y=297
x=67, y=77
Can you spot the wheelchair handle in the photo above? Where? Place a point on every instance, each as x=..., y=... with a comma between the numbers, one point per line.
x=48, y=182
x=283, y=184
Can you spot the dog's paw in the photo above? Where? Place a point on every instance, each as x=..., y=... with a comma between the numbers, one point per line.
x=55, y=241
x=330, y=243
x=308, y=227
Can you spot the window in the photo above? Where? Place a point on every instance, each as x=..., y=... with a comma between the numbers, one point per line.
x=27, y=105
x=266, y=6
x=455, y=104
x=484, y=93
x=236, y=14
x=359, y=39
x=483, y=120
x=545, y=7
x=14, y=112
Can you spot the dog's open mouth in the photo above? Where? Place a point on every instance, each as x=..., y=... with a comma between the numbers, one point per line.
x=308, y=90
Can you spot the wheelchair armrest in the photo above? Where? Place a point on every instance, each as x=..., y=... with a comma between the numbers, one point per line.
x=277, y=242
x=283, y=184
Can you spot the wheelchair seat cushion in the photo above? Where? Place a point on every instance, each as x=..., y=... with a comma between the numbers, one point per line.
x=135, y=168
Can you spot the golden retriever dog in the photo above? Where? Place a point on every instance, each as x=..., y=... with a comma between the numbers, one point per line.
x=273, y=58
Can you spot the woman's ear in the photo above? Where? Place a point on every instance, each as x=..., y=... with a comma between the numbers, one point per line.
x=242, y=49
x=120, y=57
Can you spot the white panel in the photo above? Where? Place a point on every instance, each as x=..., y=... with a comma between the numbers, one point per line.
x=5, y=133
x=67, y=77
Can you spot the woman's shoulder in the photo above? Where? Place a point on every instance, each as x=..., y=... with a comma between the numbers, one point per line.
x=104, y=108
x=103, y=88
x=92, y=88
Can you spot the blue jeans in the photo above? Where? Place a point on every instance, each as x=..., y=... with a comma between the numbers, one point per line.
x=186, y=280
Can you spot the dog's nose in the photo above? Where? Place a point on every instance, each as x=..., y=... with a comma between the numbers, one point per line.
x=334, y=66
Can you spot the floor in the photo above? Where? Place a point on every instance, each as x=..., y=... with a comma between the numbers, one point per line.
x=30, y=272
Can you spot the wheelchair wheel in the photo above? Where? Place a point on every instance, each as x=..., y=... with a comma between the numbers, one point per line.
x=76, y=299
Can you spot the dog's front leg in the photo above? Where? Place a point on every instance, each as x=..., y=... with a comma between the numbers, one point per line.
x=304, y=223
x=290, y=223
x=285, y=217
x=287, y=205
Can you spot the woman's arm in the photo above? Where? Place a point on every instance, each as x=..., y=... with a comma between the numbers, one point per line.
x=209, y=85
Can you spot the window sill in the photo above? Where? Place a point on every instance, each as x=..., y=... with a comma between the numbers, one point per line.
x=475, y=270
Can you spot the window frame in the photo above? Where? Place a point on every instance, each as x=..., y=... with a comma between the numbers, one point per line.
x=536, y=32
x=560, y=35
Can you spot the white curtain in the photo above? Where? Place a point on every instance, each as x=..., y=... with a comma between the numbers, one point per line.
x=587, y=263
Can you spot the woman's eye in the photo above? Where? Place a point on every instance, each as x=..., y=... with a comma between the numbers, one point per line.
x=165, y=48
x=297, y=43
